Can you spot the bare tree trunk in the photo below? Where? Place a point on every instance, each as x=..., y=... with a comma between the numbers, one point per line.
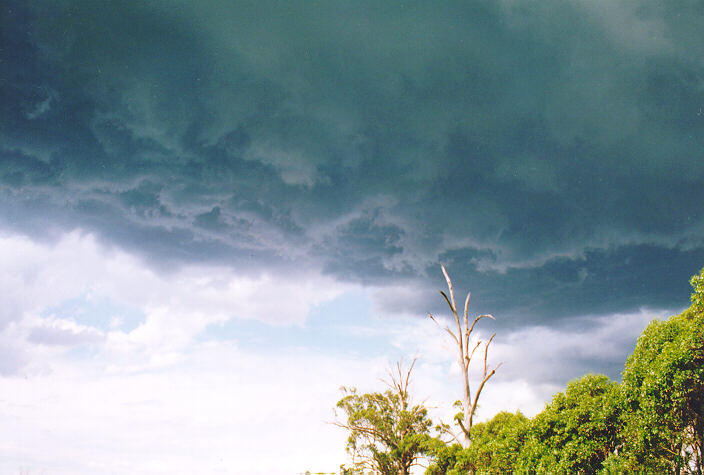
x=466, y=405
x=461, y=339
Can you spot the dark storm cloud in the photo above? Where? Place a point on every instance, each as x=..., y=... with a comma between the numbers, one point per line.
x=550, y=152
x=366, y=246
x=599, y=282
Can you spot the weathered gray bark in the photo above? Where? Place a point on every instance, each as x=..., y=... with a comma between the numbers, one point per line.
x=461, y=339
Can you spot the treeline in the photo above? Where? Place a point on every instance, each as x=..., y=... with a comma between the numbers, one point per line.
x=652, y=421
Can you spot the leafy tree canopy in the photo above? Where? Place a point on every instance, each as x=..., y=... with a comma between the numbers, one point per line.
x=495, y=446
x=663, y=388
x=387, y=433
x=577, y=430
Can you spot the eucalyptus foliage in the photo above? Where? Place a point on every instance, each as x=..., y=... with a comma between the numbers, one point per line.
x=495, y=447
x=576, y=431
x=387, y=433
x=663, y=390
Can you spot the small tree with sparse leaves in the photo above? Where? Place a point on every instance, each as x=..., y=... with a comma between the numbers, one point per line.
x=387, y=432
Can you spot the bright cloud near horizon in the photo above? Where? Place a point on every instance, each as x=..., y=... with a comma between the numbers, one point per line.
x=215, y=214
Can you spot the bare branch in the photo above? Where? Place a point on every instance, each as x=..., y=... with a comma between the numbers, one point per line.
x=408, y=373
x=363, y=429
x=453, y=307
x=445, y=428
x=398, y=380
x=389, y=383
x=466, y=307
x=464, y=429
x=467, y=331
x=446, y=328
x=449, y=286
x=486, y=351
x=473, y=350
x=485, y=376
x=481, y=386
x=454, y=314
x=449, y=303
x=479, y=318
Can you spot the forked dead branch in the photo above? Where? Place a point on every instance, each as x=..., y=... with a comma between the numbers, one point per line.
x=461, y=339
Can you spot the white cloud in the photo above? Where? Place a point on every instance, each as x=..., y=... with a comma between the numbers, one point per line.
x=221, y=410
x=557, y=355
x=178, y=304
x=155, y=399
x=62, y=332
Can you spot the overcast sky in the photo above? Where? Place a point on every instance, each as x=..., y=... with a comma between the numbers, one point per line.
x=214, y=214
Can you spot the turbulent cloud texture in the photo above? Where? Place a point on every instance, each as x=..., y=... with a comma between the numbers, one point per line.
x=551, y=153
x=207, y=205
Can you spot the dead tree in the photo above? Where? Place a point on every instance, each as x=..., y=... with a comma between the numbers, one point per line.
x=461, y=339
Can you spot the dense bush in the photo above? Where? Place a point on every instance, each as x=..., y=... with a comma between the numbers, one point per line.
x=653, y=421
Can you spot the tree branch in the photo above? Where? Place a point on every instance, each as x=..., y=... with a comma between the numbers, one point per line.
x=479, y=318
x=467, y=331
x=364, y=430
x=449, y=286
x=446, y=328
x=461, y=424
x=447, y=299
x=486, y=351
x=408, y=373
x=445, y=428
x=473, y=350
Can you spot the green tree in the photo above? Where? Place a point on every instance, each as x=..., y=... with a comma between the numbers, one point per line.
x=449, y=460
x=496, y=444
x=387, y=433
x=576, y=431
x=697, y=298
x=663, y=387
x=495, y=447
